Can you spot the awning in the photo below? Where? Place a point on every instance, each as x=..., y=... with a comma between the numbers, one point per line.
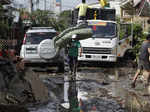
x=128, y=6
x=136, y=2
x=4, y=2
x=142, y=7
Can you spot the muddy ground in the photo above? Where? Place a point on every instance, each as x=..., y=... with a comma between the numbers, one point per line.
x=101, y=87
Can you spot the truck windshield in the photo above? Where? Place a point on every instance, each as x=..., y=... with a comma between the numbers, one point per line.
x=104, y=31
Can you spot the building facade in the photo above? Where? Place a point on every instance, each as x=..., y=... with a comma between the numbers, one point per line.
x=138, y=11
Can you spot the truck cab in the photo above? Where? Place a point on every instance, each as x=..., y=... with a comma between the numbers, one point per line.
x=102, y=46
x=110, y=39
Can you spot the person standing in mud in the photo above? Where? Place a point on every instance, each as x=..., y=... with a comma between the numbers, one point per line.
x=73, y=63
x=74, y=49
x=70, y=67
x=143, y=62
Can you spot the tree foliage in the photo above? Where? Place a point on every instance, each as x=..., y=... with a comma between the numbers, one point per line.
x=65, y=18
x=1, y=10
x=42, y=18
x=138, y=38
x=62, y=22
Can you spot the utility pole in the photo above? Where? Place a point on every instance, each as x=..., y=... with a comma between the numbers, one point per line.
x=45, y=5
x=37, y=4
x=31, y=6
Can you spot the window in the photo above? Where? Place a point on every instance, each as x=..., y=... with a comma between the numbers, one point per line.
x=36, y=38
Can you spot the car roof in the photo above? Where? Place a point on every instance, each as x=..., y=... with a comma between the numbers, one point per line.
x=40, y=29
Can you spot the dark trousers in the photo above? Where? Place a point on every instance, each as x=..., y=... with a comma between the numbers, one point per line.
x=73, y=62
x=82, y=17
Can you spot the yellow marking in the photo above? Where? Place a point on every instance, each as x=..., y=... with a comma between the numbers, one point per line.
x=95, y=15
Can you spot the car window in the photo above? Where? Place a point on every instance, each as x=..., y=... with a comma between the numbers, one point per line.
x=36, y=38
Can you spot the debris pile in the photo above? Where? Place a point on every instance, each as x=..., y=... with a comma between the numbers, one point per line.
x=20, y=86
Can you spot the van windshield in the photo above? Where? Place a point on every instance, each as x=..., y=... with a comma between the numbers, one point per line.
x=107, y=30
x=36, y=38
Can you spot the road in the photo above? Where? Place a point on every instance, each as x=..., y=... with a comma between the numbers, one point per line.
x=99, y=87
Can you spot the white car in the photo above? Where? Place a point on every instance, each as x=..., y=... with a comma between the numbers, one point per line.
x=29, y=48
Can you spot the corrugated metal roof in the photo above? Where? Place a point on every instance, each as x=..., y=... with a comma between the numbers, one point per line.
x=127, y=5
x=142, y=7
